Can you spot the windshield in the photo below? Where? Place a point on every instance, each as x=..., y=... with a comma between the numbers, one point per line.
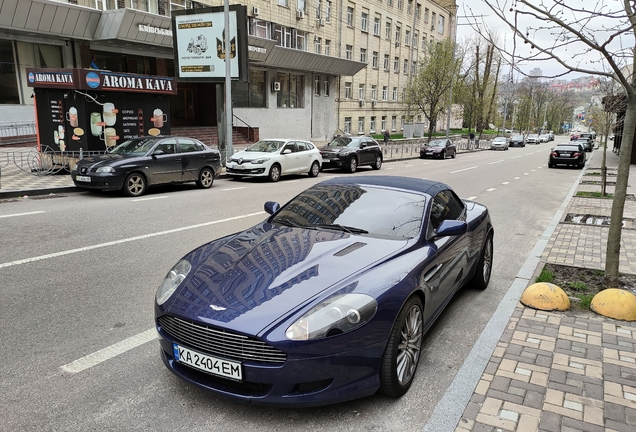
x=265, y=146
x=533, y=136
x=517, y=137
x=134, y=147
x=381, y=212
x=437, y=143
x=500, y=139
x=343, y=142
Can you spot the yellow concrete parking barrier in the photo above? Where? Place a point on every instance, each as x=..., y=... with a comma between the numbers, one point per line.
x=615, y=303
x=545, y=296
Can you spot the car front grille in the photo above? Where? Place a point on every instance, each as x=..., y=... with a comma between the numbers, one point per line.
x=220, y=342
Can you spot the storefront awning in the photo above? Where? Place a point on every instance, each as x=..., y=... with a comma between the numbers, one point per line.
x=49, y=18
x=134, y=26
x=265, y=52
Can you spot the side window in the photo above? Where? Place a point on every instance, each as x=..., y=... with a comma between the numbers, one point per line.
x=290, y=146
x=187, y=145
x=445, y=206
x=167, y=146
x=301, y=146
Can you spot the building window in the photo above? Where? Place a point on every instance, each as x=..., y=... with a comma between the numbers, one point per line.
x=9, y=93
x=318, y=8
x=318, y=42
x=416, y=37
x=424, y=42
x=327, y=47
x=406, y=66
x=252, y=94
x=259, y=28
x=418, y=11
x=385, y=92
x=426, y=15
x=394, y=94
x=409, y=7
x=376, y=26
x=387, y=30
x=402, y=121
x=363, y=55
x=374, y=60
x=361, y=91
x=325, y=87
x=372, y=124
x=141, y=5
x=283, y=3
x=347, y=125
x=414, y=68
x=291, y=92
x=289, y=37
x=360, y=125
x=440, y=24
x=383, y=124
x=407, y=37
x=328, y=12
x=396, y=65
x=398, y=34
x=393, y=123
x=389, y=2
x=433, y=19
x=349, y=52
x=386, y=62
x=347, y=90
x=316, y=85
x=400, y=4
x=374, y=92
x=364, y=21
x=300, y=4
x=350, y=16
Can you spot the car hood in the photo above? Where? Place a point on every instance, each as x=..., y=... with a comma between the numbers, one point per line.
x=434, y=149
x=251, y=155
x=335, y=149
x=107, y=159
x=249, y=280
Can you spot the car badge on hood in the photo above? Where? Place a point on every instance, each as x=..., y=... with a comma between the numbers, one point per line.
x=217, y=308
x=240, y=161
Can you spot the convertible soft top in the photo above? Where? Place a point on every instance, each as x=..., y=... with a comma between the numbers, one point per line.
x=418, y=185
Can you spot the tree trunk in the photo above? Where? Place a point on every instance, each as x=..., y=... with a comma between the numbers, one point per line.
x=612, y=255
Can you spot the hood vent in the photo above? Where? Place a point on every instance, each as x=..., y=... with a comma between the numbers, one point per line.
x=349, y=249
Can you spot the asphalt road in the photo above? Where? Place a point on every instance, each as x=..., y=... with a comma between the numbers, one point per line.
x=78, y=275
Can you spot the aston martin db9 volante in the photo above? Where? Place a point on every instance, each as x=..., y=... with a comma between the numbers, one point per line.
x=326, y=300
x=138, y=163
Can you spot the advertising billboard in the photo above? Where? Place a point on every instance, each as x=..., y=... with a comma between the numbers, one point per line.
x=199, y=44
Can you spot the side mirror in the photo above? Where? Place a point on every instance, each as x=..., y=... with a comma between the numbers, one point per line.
x=451, y=228
x=271, y=207
x=286, y=151
x=362, y=145
x=158, y=153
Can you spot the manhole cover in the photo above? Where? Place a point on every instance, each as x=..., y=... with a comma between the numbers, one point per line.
x=588, y=219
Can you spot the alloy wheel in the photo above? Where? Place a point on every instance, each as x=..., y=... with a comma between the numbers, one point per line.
x=410, y=345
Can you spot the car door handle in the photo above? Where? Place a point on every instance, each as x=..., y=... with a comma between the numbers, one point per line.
x=429, y=275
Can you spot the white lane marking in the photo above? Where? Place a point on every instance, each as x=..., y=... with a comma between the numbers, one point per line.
x=465, y=169
x=292, y=181
x=126, y=240
x=471, y=198
x=389, y=168
x=102, y=355
x=526, y=173
x=516, y=157
x=406, y=166
x=149, y=199
x=517, y=178
x=533, y=170
x=423, y=178
x=490, y=163
x=505, y=183
x=490, y=189
x=21, y=214
x=234, y=188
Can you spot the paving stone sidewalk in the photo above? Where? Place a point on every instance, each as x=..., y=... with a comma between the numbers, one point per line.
x=565, y=371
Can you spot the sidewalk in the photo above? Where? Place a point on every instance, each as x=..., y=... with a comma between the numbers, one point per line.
x=564, y=371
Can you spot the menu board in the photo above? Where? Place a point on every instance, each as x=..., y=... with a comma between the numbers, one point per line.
x=74, y=120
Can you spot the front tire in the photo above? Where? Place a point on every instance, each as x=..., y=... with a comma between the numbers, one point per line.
x=135, y=185
x=378, y=163
x=206, y=178
x=484, y=267
x=443, y=155
x=274, y=173
x=353, y=165
x=402, y=352
x=314, y=170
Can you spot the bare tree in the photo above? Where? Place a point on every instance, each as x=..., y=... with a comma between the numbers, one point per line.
x=596, y=38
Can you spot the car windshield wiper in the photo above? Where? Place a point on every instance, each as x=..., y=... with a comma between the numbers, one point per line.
x=289, y=223
x=350, y=230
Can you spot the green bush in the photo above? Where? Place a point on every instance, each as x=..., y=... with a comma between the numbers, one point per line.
x=545, y=276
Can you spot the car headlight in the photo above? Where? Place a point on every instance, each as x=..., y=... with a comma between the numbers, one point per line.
x=260, y=161
x=106, y=169
x=175, y=276
x=336, y=315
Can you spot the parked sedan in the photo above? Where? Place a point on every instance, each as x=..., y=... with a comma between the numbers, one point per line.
x=138, y=163
x=438, y=148
x=275, y=158
x=544, y=138
x=329, y=298
x=567, y=154
x=517, y=140
x=533, y=139
x=348, y=153
x=499, y=143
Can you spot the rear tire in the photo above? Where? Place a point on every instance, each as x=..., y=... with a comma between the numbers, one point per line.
x=402, y=352
x=484, y=267
x=206, y=178
x=378, y=163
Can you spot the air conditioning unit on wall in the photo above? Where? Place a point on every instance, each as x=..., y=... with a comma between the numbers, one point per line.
x=300, y=14
x=256, y=11
x=361, y=102
x=322, y=22
x=276, y=86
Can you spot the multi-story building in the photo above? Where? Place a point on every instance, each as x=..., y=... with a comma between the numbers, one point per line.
x=316, y=67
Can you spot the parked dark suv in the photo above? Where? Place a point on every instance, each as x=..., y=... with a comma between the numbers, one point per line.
x=348, y=153
x=588, y=140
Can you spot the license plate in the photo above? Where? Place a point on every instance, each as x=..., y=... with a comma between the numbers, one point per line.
x=83, y=179
x=206, y=363
x=239, y=167
x=326, y=160
x=429, y=153
x=565, y=154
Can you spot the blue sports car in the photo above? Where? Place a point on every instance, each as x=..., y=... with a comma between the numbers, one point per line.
x=328, y=299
